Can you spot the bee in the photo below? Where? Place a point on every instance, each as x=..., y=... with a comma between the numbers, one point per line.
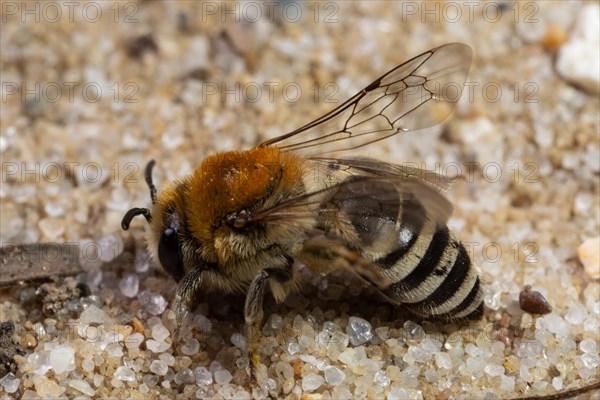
x=243, y=221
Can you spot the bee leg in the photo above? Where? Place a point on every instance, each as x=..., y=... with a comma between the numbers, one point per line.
x=253, y=315
x=253, y=312
x=186, y=292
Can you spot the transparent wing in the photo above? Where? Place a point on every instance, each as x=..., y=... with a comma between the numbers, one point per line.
x=375, y=200
x=368, y=166
x=418, y=94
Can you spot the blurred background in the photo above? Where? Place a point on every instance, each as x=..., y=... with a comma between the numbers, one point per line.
x=93, y=90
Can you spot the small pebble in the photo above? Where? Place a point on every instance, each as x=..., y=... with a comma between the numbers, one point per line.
x=110, y=247
x=293, y=347
x=167, y=358
x=589, y=254
x=312, y=382
x=238, y=340
x=62, y=358
x=137, y=325
x=202, y=323
x=93, y=315
x=241, y=395
x=591, y=361
x=203, y=376
x=28, y=341
x=381, y=378
x=204, y=393
x=588, y=346
x=578, y=60
x=154, y=303
x=585, y=373
x=413, y=331
x=554, y=37
x=475, y=366
x=494, y=370
x=333, y=375
x=348, y=356
x=120, y=332
x=223, y=377
x=114, y=350
x=525, y=374
x=150, y=380
x=129, y=285
x=52, y=228
x=397, y=393
x=83, y=386
x=576, y=314
x=160, y=333
x=529, y=349
x=444, y=394
x=10, y=383
x=190, y=347
x=557, y=382
x=184, y=376
x=276, y=321
x=125, y=374
x=87, y=365
x=507, y=383
x=46, y=387
x=533, y=302
x=417, y=354
x=134, y=341
x=557, y=325
x=431, y=375
x=359, y=331
x=158, y=367
x=497, y=348
x=443, y=360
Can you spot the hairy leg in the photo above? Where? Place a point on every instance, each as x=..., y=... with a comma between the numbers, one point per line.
x=253, y=310
x=186, y=292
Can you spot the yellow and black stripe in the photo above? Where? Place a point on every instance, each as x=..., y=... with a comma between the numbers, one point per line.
x=429, y=269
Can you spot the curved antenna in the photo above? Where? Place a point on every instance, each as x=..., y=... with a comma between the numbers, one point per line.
x=134, y=212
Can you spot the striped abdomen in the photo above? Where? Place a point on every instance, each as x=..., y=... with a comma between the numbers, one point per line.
x=429, y=269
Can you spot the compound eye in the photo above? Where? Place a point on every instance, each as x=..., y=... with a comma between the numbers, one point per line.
x=169, y=253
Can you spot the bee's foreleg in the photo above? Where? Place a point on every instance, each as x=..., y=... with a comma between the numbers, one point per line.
x=253, y=310
x=186, y=292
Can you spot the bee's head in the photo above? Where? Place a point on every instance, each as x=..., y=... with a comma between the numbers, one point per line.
x=163, y=236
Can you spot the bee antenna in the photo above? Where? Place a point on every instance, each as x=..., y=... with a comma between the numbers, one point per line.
x=134, y=212
x=148, y=177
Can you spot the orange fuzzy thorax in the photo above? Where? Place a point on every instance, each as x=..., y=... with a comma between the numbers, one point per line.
x=229, y=182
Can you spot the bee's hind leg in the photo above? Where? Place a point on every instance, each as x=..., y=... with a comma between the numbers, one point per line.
x=253, y=311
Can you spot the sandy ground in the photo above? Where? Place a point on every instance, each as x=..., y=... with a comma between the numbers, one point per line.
x=92, y=91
